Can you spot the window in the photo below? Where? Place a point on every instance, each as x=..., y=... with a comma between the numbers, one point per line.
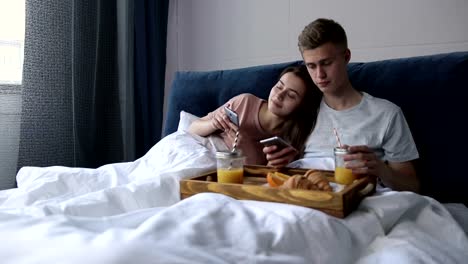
x=12, y=25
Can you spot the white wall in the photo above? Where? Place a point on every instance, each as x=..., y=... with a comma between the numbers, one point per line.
x=223, y=34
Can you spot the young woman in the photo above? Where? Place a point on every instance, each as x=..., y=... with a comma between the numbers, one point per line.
x=290, y=113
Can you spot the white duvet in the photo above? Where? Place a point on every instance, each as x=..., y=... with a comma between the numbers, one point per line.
x=131, y=213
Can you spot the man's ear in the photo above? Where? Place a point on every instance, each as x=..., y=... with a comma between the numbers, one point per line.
x=347, y=55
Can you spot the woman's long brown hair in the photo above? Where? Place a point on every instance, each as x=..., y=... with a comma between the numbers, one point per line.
x=302, y=121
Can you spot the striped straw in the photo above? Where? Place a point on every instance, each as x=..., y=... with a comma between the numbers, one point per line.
x=234, y=145
x=337, y=138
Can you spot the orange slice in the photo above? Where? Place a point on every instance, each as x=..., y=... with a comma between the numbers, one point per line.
x=276, y=179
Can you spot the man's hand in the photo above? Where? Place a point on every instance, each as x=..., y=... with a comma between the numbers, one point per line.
x=362, y=160
x=279, y=158
x=400, y=176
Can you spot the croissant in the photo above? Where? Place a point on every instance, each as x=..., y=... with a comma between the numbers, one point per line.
x=312, y=180
x=298, y=182
x=319, y=179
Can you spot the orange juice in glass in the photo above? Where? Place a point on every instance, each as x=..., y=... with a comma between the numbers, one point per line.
x=342, y=174
x=231, y=176
x=230, y=167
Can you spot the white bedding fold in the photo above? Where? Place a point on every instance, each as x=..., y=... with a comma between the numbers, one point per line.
x=152, y=180
x=130, y=213
x=213, y=227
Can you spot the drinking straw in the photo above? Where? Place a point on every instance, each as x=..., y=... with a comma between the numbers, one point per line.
x=337, y=138
x=234, y=145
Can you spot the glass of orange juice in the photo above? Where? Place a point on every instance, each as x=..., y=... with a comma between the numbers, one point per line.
x=230, y=167
x=342, y=174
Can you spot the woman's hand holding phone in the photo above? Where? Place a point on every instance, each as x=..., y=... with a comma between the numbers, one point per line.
x=279, y=158
x=226, y=120
x=277, y=141
x=278, y=152
x=232, y=116
x=221, y=122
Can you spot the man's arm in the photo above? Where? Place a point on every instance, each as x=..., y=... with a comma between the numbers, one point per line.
x=400, y=176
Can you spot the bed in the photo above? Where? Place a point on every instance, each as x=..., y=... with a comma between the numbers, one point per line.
x=132, y=213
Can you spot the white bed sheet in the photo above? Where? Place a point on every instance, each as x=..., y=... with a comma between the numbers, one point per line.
x=131, y=213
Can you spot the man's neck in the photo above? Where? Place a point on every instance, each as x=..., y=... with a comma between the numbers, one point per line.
x=347, y=97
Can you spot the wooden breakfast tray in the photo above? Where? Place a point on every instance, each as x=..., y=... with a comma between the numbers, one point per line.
x=338, y=204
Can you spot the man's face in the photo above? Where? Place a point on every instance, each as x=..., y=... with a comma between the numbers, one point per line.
x=327, y=65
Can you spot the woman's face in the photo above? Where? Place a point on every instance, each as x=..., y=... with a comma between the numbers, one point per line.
x=287, y=95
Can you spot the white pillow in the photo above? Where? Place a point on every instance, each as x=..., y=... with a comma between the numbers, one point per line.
x=215, y=140
x=185, y=120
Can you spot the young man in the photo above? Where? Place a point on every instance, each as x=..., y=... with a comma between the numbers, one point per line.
x=375, y=129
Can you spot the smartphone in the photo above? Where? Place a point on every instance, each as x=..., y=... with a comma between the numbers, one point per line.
x=232, y=115
x=279, y=142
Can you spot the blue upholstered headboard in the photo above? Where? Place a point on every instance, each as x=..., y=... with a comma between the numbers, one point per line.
x=431, y=90
x=201, y=92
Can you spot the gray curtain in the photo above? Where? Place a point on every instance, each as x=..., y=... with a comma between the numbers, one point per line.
x=10, y=108
x=77, y=101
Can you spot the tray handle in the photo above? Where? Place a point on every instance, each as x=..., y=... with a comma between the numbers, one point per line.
x=366, y=190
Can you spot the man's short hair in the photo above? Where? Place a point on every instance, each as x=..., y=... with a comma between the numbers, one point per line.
x=322, y=31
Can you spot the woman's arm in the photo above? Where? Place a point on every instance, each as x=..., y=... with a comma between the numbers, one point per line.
x=211, y=123
x=202, y=127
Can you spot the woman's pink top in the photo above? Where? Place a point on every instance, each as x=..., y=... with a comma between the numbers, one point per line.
x=247, y=107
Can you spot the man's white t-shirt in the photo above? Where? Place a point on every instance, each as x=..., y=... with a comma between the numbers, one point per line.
x=375, y=122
